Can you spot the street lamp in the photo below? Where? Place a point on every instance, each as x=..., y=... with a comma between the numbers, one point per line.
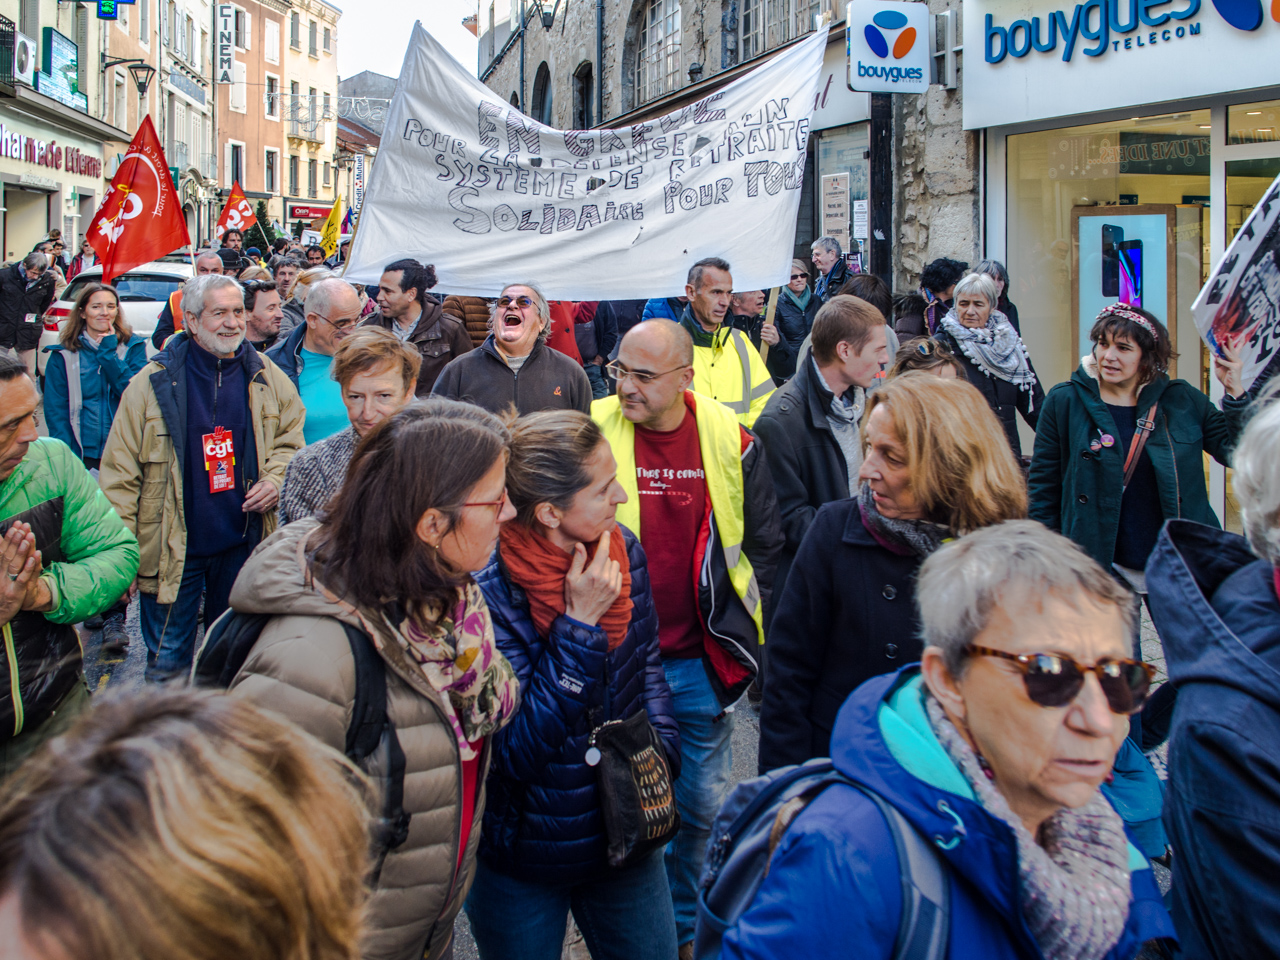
x=140, y=70
x=548, y=16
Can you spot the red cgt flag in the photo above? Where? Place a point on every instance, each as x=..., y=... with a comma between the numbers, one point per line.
x=140, y=219
x=237, y=214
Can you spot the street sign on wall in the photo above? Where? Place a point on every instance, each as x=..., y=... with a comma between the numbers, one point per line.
x=888, y=46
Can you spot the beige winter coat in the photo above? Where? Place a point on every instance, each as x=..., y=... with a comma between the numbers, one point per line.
x=142, y=475
x=301, y=668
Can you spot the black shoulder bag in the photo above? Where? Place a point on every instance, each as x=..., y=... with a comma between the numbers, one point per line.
x=637, y=798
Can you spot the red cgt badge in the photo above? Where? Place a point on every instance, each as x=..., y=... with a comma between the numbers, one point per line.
x=219, y=459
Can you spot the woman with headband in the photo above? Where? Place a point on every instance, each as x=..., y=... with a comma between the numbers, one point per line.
x=1120, y=446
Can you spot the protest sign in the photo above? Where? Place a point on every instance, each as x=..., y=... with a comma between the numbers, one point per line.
x=1241, y=301
x=488, y=195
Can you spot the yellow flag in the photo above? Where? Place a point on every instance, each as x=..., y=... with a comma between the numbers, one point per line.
x=332, y=229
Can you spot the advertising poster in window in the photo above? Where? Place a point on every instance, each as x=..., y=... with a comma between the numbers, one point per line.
x=1124, y=254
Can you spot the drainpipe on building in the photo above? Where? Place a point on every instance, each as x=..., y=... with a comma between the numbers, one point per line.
x=599, y=63
x=522, y=22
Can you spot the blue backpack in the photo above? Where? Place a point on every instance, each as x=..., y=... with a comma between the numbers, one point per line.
x=751, y=824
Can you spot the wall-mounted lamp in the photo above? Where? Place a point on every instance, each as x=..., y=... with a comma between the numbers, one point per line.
x=695, y=72
x=141, y=71
x=549, y=16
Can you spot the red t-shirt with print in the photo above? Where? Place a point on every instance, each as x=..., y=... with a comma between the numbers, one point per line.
x=673, y=503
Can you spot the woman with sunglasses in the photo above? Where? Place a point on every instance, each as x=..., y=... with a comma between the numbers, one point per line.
x=797, y=306
x=934, y=466
x=393, y=558
x=993, y=750
x=574, y=614
x=515, y=366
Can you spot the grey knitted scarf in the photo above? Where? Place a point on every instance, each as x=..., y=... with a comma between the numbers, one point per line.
x=995, y=349
x=1074, y=890
x=903, y=537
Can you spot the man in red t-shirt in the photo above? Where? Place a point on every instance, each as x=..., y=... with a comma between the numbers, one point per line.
x=677, y=452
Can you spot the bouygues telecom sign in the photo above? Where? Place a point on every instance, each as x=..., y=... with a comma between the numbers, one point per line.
x=1040, y=60
x=888, y=46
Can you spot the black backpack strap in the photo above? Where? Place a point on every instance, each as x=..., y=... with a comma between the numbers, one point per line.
x=369, y=726
x=926, y=894
x=226, y=646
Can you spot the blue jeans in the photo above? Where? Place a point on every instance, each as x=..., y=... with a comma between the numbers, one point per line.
x=623, y=915
x=706, y=761
x=599, y=385
x=169, y=629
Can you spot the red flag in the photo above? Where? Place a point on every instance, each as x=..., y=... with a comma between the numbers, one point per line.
x=237, y=214
x=140, y=219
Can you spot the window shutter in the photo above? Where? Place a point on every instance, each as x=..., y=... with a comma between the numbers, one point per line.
x=239, y=98
x=248, y=30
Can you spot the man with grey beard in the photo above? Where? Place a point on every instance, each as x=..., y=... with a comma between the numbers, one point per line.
x=194, y=465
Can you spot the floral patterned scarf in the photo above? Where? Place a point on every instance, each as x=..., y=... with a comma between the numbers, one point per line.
x=460, y=659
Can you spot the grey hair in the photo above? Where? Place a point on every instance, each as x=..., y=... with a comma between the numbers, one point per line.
x=829, y=244
x=979, y=283
x=1256, y=481
x=320, y=295
x=694, y=279
x=35, y=259
x=993, y=268
x=539, y=301
x=207, y=255
x=196, y=290
x=962, y=583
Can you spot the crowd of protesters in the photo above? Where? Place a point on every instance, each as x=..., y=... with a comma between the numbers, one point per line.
x=469, y=559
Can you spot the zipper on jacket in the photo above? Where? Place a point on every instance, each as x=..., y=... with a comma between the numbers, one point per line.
x=15, y=689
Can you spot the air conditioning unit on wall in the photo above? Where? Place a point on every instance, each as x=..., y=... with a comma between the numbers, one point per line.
x=24, y=59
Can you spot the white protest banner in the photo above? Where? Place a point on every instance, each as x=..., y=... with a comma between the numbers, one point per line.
x=1241, y=301
x=468, y=183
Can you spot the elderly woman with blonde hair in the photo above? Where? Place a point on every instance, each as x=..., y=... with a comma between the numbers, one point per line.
x=172, y=823
x=294, y=308
x=936, y=466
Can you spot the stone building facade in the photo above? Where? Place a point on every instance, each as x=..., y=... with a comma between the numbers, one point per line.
x=658, y=54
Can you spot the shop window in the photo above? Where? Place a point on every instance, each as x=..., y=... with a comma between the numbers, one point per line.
x=657, y=69
x=1254, y=122
x=542, y=94
x=583, y=84
x=1088, y=223
x=843, y=152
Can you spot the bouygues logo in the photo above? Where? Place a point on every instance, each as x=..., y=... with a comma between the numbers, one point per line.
x=1116, y=26
x=887, y=53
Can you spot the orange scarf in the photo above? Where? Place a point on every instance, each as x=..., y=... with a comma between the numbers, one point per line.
x=539, y=567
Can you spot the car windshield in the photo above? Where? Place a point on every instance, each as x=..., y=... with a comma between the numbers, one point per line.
x=132, y=287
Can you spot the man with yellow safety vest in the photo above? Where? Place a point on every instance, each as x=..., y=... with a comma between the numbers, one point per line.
x=726, y=367
x=700, y=498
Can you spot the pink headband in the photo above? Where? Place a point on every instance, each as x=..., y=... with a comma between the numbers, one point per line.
x=1126, y=312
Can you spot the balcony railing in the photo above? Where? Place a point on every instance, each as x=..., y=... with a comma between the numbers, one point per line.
x=305, y=129
x=6, y=50
x=177, y=154
x=209, y=165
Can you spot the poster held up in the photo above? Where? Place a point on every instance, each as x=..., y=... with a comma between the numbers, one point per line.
x=1241, y=301
x=488, y=195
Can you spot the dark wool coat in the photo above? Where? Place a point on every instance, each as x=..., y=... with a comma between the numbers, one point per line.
x=847, y=614
x=542, y=821
x=1077, y=491
x=1005, y=399
x=1215, y=606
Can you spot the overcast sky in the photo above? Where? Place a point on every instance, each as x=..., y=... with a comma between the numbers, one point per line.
x=374, y=33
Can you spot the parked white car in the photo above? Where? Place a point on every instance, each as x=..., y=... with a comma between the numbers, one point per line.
x=143, y=291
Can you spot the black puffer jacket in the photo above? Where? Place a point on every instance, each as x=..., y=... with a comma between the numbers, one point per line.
x=17, y=300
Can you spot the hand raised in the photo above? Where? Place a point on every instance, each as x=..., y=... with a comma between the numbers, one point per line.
x=590, y=589
x=19, y=561
x=1229, y=368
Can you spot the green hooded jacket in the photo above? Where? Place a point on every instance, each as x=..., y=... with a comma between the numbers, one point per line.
x=90, y=558
x=1076, y=490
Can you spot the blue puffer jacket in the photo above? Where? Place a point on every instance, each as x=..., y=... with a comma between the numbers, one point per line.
x=542, y=818
x=834, y=878
x=104, y=374
x=1215, y=606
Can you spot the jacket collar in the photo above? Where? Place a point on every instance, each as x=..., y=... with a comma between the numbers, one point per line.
x=427, y=328
x=1086, y=379
x=856, y=532
x=700, y=336
x=817, y=399
x=490, y=347
x=1188, y=565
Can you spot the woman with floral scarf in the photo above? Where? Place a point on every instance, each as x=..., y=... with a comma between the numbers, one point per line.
x=392, y=556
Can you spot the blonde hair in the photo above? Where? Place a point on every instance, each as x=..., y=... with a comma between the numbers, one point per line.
x=255, y=273
x=179, y=823
x=305, y=279
x=962, y=470
x=76, y=323
x=370, y=348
